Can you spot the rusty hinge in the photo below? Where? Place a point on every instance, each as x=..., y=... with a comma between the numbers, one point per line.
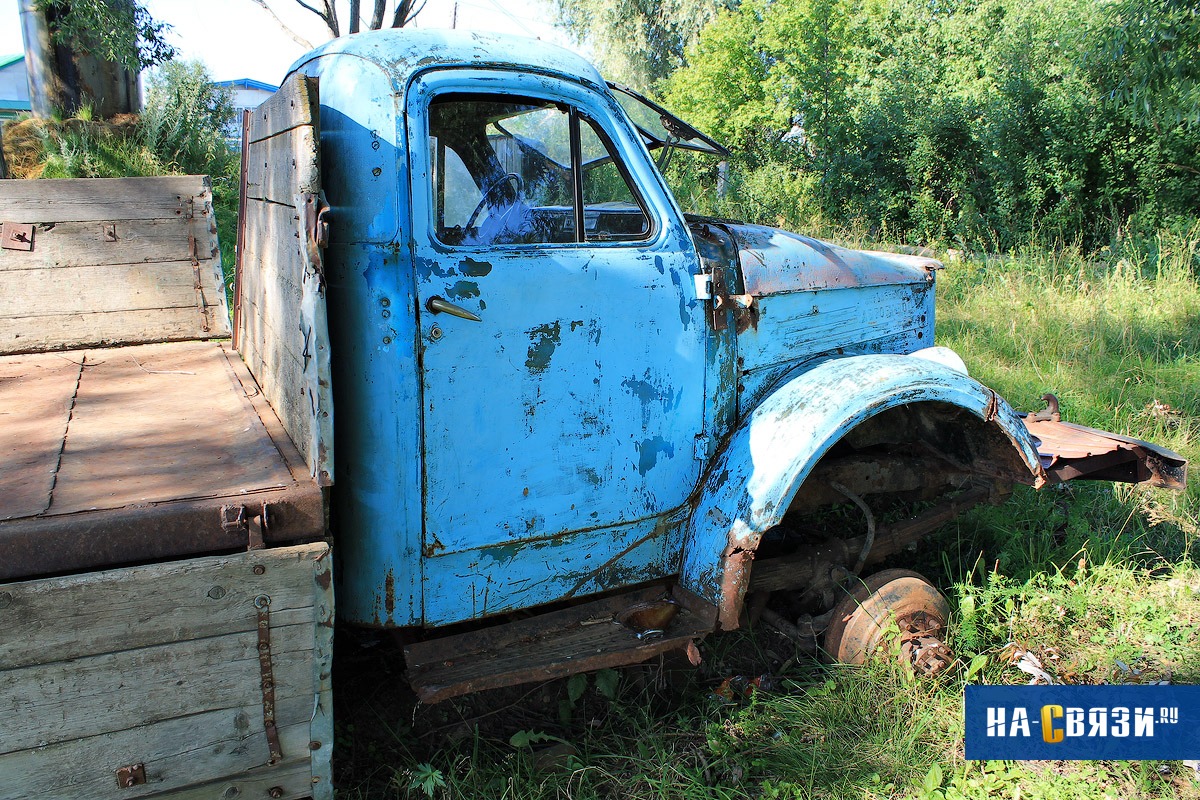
x=716, y=290
x=199, y=286
x=315, y=216
x=16, y=236
x=187, y=206
x=235, y=518
x=131, y=775
x=263, y=604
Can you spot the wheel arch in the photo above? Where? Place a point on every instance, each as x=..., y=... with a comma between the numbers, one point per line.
x=761, y=467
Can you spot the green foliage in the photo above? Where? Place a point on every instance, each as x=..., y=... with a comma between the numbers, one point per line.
x=121, y=31
x=186, y=118
x=1151, y=47
x=426, y=779
x=983, y=124
x=639, y=42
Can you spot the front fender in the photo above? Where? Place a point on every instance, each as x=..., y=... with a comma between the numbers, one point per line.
x=753, y=479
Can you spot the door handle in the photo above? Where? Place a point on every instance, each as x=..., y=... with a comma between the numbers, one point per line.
x=439, y=305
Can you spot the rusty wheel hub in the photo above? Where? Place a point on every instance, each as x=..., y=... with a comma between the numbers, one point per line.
x=859, y=620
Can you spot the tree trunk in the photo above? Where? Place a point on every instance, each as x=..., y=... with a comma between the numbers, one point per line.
x=63, y=80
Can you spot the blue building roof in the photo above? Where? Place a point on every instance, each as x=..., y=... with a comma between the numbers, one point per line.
x=246, y=83
x=8, y=61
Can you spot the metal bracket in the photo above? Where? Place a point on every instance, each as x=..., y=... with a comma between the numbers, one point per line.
x=235, y=518
x=131, y=775
x=109, y=231
x=263, y=604
x=16, y=236
x=315, y=216
x=197, y=284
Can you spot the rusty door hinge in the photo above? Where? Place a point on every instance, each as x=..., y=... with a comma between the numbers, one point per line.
x=263, y=604
x=743, y=306
x=315, y=216
x=236, y=518
x=16, y=236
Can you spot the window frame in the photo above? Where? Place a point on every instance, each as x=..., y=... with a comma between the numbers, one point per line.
x=581, y=104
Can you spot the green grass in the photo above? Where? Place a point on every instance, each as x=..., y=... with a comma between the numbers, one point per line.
x=1089, y=578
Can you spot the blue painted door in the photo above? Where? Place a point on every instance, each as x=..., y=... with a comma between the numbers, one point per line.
x=575, y=400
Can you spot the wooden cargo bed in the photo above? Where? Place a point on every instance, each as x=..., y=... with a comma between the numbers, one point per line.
x=120, y=455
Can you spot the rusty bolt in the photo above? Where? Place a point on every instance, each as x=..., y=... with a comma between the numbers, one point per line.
x=259, y=569
x=275, y=791
x=435, y=333
x=216, y=592
x=387, y=340
x=385, y=302
x=314, y=745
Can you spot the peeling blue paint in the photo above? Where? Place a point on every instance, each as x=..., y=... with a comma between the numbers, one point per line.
x=542, y=342
x=463, y=290
x=648, y=452
x=475, y=269
x=684, y=315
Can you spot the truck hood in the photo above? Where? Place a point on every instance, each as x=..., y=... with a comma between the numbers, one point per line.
x=775, y=261
x=795, y=298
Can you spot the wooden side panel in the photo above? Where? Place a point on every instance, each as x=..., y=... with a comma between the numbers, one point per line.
x=158, y=665
x=282, y=328
x=114, y=261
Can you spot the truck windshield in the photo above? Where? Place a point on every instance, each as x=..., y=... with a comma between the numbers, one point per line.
x=661, y=128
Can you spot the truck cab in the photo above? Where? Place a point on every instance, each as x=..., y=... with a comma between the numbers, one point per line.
x=551, y=383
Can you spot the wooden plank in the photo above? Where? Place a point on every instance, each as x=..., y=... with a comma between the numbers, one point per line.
x=80, y=244
x=35, y=294
x=182, y=428
x=101, y=199
x=177, y=753
x=66, y=700
x=295, y=104
x=293, y=776
x=36, y=394
x=73, y=331
x=278, y=167
x=54, y=619
x=279, y=328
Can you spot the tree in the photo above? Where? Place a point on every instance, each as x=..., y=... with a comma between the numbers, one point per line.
x=88, y=53
x=639, y=42
x=403, y=12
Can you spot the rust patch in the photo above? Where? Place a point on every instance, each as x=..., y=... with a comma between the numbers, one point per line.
x=735, y=578
x=389, y=594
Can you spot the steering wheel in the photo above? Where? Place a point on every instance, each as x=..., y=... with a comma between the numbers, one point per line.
x=490, y=190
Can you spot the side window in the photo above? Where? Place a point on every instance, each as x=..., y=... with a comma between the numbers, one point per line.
x=515, y=170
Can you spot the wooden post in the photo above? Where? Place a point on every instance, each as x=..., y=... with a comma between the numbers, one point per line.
x=3, y=165
x=63, y=79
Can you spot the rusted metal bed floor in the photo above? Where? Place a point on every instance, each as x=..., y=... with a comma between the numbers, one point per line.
x=116, y=455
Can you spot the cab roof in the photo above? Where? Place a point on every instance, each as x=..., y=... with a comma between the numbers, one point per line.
x=402, y=52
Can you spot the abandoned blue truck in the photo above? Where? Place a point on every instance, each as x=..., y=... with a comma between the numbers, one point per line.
x=489, y=387
x=555, y=390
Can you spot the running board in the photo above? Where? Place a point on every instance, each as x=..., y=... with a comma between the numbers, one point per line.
x=610, y=632
x=1072, y=452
